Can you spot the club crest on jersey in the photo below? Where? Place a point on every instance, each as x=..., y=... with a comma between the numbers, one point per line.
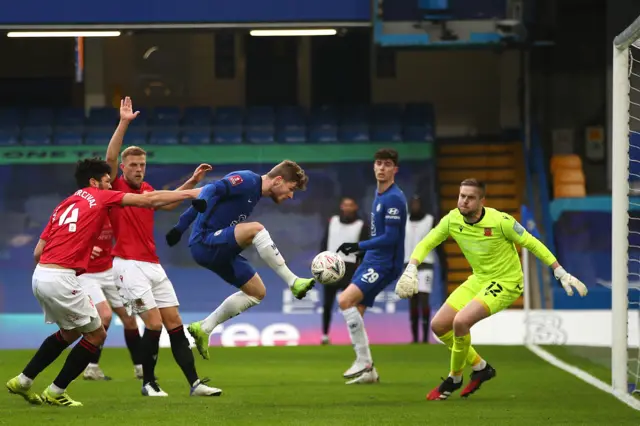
x=235, y=180
x=488, y=232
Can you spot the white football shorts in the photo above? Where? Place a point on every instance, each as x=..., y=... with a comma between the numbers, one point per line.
x=63, y=300
x=143, y=285
x=425, y=280
x=101, y=287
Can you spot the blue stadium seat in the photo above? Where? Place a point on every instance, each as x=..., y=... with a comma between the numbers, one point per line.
x=290, y=116
x=228, y=116
x=419, y=133
x=38, y=117
x=68, y=137
x=98, y=137
x=196, y=136
x=197, y=116
x=260, y=134
x=166, y=116
x=353, y=115
x=386, y=132
x=354, y=133
x=261, y=116
x=68, y=117
x=11, y=117
x=102, y=117
x=9, y=136
x=292, y=135
x=137, y=136
x=324, y=116
x=164, y=136
x=386, y=114
x=323, y=134
x=227, y=135
x=418, y=114
x=36, y=136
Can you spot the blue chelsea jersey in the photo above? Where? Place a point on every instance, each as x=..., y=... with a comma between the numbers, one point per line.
x=243, y=190
x=388, y=209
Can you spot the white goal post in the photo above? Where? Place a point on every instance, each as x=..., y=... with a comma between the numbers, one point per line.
x=620, y=133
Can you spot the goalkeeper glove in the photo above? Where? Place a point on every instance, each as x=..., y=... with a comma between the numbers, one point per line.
x=407, y=285
x=568, y=281
x=173, y=237
x=199, y=204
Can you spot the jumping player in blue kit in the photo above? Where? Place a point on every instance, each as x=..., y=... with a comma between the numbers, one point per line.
x=381, y=266
x=220, y=234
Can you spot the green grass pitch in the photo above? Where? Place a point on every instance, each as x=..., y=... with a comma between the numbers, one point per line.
x=304, y=386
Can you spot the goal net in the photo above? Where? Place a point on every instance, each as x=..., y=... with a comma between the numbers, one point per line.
x=625, y=356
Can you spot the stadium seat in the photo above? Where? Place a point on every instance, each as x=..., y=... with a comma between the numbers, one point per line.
x=290, y=116
x=38, y=117
x=261, y=116
x=260, y=134
x=418, y=133
x=418, y=114
x=383, y=114
x=196, y=136
x=137, y=136
x=354, y=133
x=197, y=116
x=292, y=135
x=324, y=116
x=68, y=117
x=386, y=132
x=227, y=135
x=570, y=161
x=569, y=191
x=102, y=117
x=164, y=136
x=98, y=137
x=569, y=176
x=228, y=116
x=9, y=136
x=323, y=134
x=165, y=116
x=354, y=115
x=11, y=117
x=68, y=137
x=36, y=136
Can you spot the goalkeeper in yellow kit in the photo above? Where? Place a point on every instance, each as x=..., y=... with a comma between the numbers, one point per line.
x=486, y=237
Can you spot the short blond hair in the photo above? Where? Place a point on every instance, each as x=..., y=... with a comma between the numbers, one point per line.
x=290, y=171
x=132, y=150
x=473, y=182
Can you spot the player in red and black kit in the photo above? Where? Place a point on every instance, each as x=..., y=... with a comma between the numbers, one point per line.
x=71, y=233
x=100, y=284
x=144, y=286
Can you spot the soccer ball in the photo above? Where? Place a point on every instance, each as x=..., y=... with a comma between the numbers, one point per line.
x=327, y=268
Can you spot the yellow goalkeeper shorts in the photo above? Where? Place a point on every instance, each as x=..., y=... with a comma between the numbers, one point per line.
x=496, y=295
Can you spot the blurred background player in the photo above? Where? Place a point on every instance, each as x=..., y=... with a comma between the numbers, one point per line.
x=100, y=284
x=382, y=263
x=486, y=237
x=346, y=227
x=419, y=224
x=63, y=251
x=144, y=285
x=220, y=235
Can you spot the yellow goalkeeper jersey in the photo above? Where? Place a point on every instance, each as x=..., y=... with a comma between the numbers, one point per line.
x=488, y=245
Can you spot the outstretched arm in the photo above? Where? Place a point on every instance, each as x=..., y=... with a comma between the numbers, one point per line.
x=115, y=144
x=513, y=231
x=191, y=183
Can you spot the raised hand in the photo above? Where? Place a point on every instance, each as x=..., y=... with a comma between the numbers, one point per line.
x=126, y=110
x=200, y=172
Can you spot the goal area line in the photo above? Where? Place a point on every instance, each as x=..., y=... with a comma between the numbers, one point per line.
x=624, y=397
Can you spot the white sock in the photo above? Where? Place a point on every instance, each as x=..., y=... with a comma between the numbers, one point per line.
x=456, y=379
x=25, y=381
x=271, y=255
x=92, y=365
x=56, y=389
x=480, y=366
x=359, y=339
x=231, y=306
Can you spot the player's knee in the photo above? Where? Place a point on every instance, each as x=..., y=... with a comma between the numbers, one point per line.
x=345, y=302
x=152, y=319
x=105, y=313
x=461, y=325
x=171, y=317
x=129, y=322
x=70, y=336
x=440, y=327
x=96, y=337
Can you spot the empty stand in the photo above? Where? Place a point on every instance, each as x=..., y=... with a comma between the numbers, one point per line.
x=169, y=125
x=568, y=176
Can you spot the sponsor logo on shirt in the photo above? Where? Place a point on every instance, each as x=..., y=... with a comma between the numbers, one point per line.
x=487, y=232
x=235, y=180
